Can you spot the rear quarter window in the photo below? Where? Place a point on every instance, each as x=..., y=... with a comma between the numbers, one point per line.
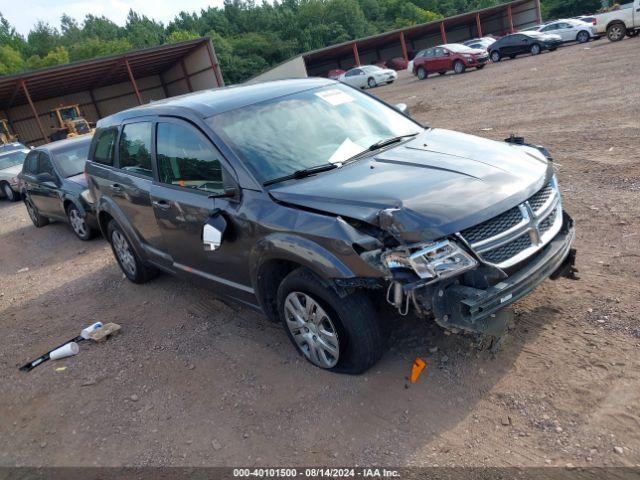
x=103, y=146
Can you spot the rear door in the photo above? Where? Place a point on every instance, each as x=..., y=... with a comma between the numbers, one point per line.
x=130, y=188
x=191, y=171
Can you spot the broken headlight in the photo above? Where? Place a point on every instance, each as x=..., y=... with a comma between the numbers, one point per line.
x=436, y=261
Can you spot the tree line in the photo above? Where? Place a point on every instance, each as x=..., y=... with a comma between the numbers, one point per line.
x=248, y=37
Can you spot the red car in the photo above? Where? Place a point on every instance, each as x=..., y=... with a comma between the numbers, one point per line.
x=453, y=56
x=335, y=73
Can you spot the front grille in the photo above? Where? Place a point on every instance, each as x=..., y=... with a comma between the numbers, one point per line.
x=509, y=250
x=493, y=226
x=547, y=223
x=512, y=236
x=538, y=200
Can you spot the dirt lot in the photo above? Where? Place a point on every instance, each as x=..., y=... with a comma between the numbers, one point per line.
x=194, y=381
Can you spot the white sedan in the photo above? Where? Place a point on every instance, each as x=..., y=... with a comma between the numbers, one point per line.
x=570, y=30
x=368, y=76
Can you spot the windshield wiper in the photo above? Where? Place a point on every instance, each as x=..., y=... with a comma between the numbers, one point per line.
x=305, y=172
x=381, y=144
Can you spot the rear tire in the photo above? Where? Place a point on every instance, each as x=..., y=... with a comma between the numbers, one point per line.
x=352, y=325
x=535, y=49
x=130, y=264
x=422, y=73
x=459, y=67
x=79, y=224
x=583, y=36
x=371, y=83
x=616, y=32
x=495, y=56
x=9, y=194
x=38, y=220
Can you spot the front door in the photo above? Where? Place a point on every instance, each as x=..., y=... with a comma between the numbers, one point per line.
x=191, y=172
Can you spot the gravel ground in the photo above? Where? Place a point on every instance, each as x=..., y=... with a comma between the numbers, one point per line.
x=194, y=381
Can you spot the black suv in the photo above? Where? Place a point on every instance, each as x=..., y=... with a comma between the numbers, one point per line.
x=311, y=201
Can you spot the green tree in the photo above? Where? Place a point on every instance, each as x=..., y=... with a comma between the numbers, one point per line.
x=95, y=47
x=42, y=38
x=180, y=36
x=143, y=32
x=10, y=60
x=102, y=28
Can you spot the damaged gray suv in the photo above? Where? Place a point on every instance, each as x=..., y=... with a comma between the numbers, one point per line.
x=313, y=202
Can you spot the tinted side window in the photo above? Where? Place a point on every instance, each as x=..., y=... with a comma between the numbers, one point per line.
x=44, y=164
x=135, y=148
x=104, y=146
x=31, y=163
x=187, y=159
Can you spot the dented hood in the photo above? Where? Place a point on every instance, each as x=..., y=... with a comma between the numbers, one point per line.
x=437, y=184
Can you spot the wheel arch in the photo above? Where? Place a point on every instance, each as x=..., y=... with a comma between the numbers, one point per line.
x=106, y=211
x=275, y=256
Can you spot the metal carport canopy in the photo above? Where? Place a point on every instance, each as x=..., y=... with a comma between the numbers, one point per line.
x=90, y=74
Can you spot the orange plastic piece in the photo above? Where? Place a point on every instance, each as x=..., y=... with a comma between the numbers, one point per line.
x=417, y=368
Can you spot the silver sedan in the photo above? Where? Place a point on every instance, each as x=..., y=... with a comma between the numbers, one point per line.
x=569, y=30
x=368, y=76
x=11, y=159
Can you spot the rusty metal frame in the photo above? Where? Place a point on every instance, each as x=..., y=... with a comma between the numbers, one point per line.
x=33, y=109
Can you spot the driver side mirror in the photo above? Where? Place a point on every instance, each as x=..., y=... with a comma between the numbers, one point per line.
x=213, y=231
x=402, y=108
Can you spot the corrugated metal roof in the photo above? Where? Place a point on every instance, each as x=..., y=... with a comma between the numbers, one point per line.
x=90, y=74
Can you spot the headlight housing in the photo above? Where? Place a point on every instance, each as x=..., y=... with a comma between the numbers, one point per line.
x=434, y=261
x=13, y=181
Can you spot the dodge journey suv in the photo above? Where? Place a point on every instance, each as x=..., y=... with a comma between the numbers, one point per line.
x=313, y=202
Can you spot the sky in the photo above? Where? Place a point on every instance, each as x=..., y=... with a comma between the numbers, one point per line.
x=23, y=14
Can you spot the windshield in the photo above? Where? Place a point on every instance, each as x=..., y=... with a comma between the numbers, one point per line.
x=370, y=68
x=12, y=159
x=71, y=159
x=316, y=127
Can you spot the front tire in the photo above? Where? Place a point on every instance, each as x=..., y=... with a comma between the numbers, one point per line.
x=337, y=333
x=38, y=220
x=459, y=67
x=422, y=73
x=616, y=32
x=535, y=49
x=583, y=36
x=495, y=56
x=79, y=224
x=9, y=194
x=130, y=264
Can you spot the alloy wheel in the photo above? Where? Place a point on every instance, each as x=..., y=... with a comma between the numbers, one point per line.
x=123, y=252
x=77, y=223
x=583, y=37
x=31, y=211
x=535, y=49
x=616, y=33
x=312, y=329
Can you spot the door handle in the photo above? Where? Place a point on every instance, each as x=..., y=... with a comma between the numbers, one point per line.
x=116, y=188
x=161, y=204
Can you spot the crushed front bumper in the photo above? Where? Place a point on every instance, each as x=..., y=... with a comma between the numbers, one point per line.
x=461, y=307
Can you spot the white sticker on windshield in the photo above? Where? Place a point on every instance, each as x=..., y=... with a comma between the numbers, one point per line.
x=335, y=97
